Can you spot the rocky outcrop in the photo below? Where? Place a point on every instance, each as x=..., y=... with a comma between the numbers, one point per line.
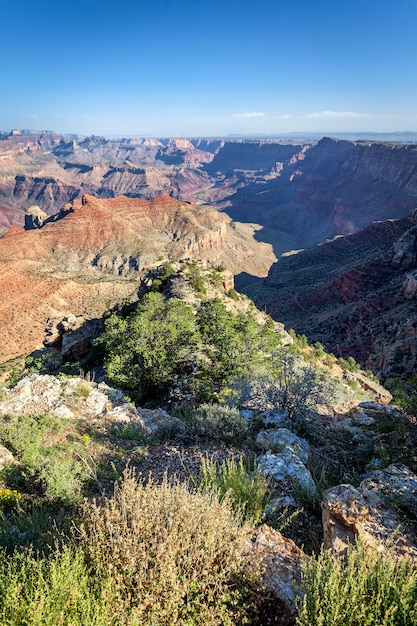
x=35, y=217
x=72, y=335
x=92, y=255
x=82, y=399
x=299, y=194
x=370, y=511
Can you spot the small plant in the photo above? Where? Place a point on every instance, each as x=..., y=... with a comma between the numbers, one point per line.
x=235, y=295
x=221, y=423
x=129, y=433
x=364, y=589
x=9, y=498
x=246, y=486
x=83, y=391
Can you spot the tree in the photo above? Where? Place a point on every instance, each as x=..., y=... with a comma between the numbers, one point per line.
x=152, y=347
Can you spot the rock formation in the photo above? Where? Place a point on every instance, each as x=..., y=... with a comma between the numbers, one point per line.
x=93, y=253
x=368, y=512
x=300, y=194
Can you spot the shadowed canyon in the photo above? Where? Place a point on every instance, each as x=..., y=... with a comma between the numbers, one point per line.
x=83, y=203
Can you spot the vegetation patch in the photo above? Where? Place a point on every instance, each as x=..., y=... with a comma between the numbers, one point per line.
x=364, y=589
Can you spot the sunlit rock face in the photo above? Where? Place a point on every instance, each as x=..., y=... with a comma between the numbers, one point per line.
x=92, y=253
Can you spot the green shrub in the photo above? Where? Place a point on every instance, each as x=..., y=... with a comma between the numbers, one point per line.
x=221, y=423
x=50, y=591
x=163, y=345
x=173, y=557
x=49, y=362
x=196, y=279
x=404, y=393
x=53, y=467
x=150, y=348
x=248, y=489
x=366, y=588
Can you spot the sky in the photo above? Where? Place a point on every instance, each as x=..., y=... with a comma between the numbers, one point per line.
x=178, y=68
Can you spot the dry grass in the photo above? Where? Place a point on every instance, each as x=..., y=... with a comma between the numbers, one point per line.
x=174, y=556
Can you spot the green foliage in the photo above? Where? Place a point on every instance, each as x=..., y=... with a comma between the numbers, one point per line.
x=129, y=433
x=349, y=364
x=248, y=489
x=54, y=468
x=14, y=376
x=196, y=279
x=318, y=350
x=162, y=342
x=49, y=362
x=221, y=423
x=233, y=344
x=51, y=591
x=232, y=293
x=150, y=348
x=364, y=589
x=404, y=393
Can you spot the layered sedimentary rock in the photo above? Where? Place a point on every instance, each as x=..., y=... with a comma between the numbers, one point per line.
x=92, y=254
x=355, y=294
x=299, y=193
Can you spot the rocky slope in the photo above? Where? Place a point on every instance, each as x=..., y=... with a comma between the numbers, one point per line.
x=92, y=253
x=355, y=294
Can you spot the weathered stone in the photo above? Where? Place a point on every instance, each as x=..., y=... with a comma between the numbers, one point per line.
x=368, y=512
x=5, y=457
x=362, y=419
x=153, y=419
x=410, y=286
x=283, y=441
x=276, y=418
x=287, y=468
x=34, y=217
x=280, y=562
x=76, y=397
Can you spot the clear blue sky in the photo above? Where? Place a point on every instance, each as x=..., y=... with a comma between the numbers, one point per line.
x=208, y=67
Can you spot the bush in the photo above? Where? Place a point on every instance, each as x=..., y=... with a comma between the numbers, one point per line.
x=296, y=387
x=52, y=467
x=174, y=557
x=246, y=486
x=149, y=349
x=365, y=589
x=162, y=345
x=54, y=590
x=221, y=423
x=404, y=393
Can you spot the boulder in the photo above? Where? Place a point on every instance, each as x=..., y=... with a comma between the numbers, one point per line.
x=287, y=468
x=410, y=285
x=371, y=512
x=283, y=441
x=5, y=457
x=280, y=561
